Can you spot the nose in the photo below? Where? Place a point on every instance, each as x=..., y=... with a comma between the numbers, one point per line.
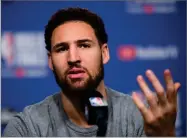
x=73, y=55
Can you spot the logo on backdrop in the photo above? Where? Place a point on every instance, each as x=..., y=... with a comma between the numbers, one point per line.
x=151, y=6
x=23, y=54
x=129, y=52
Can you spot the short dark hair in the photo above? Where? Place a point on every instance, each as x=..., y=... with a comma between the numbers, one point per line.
x=75, y=14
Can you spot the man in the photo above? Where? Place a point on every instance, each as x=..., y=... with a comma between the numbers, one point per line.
x=77, y=49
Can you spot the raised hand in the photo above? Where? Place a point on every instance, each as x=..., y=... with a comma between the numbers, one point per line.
x=160, y=115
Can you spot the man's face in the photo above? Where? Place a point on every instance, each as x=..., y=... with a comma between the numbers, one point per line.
x=76, y=57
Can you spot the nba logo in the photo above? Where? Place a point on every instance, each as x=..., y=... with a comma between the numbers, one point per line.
x=96, y=101
x=7, y=49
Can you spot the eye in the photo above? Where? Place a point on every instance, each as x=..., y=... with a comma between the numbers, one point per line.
x=62, y=49
x=84, y=45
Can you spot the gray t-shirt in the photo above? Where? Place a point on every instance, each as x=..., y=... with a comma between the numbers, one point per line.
x=47, y=118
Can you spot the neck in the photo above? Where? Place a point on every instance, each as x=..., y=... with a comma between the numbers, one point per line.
x=101, y=89
x=74, y=109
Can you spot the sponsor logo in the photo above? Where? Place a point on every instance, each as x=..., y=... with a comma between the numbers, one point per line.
x=129, y=52
x=23, y=54
x=151, y=6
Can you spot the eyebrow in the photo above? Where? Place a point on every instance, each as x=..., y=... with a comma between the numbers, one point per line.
x=77, y=41
x=59, y=44
x=84, y=40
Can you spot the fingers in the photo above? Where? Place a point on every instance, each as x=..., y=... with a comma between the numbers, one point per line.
x=158, y=117
x=157, y=86
x=143, y=109
x=177, y=85
x=152, y=100
x=170, y=87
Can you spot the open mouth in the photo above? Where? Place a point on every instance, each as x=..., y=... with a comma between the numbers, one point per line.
x=75, y=73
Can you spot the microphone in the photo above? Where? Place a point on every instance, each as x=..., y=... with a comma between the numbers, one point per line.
x=97, y=112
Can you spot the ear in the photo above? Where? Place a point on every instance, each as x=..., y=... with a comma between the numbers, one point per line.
x=105, y=53
x=50, y=61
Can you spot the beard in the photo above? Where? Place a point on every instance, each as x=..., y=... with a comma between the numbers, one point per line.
x=85, y=86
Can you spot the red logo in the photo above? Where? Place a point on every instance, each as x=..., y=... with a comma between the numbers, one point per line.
x=126, y=52
x=148, y=9
x=19, y=72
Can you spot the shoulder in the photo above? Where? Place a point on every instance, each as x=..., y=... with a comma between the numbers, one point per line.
x=42, y=106
x=40, y=113
x=124, y=101
x=119, y=96
x=33, y=118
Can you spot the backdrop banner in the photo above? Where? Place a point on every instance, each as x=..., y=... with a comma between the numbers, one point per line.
x=142, y=35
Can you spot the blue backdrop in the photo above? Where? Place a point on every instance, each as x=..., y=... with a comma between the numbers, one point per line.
x=142, y=35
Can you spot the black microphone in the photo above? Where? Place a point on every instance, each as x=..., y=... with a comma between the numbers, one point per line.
x=97, y=112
